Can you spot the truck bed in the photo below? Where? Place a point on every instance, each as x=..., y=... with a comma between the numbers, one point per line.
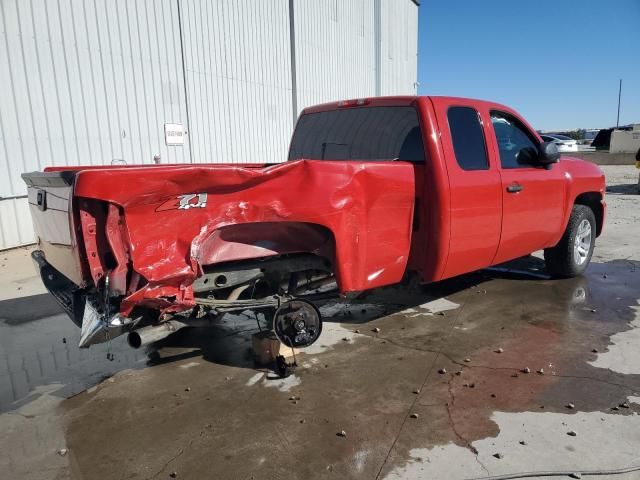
x=154, y=228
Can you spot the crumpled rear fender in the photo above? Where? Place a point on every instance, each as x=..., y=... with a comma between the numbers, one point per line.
x=173, y=214
x=245, y=241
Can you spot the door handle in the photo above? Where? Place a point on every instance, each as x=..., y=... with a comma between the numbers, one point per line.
x=515, y=188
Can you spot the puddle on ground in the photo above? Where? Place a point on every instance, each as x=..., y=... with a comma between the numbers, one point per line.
x=552, y=357
x=45, y=351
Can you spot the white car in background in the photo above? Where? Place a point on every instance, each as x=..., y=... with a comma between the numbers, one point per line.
x=565, y=144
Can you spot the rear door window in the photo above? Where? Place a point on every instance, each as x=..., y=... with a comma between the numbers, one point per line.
x=364, y=133
x=468, y=138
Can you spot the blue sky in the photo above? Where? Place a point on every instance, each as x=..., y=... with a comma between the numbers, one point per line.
x=556, y=62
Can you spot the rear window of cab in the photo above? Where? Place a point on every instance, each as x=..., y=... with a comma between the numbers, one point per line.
x=363, y=133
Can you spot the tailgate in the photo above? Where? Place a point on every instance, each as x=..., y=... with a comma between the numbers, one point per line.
x=50, y=203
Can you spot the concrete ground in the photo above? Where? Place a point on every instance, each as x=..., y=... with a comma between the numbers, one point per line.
x=497, y=372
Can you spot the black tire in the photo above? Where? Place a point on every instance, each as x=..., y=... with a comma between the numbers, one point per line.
x=561, y=260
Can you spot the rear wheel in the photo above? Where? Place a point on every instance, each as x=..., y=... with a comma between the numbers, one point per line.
x=571, y=256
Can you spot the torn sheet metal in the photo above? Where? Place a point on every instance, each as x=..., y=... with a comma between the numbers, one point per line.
x=96, y=328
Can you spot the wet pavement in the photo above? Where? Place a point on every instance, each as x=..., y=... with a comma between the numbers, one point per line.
x=35, y=352
x=453, y=354
x=496, y=372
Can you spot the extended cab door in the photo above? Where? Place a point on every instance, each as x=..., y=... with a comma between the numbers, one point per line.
x=532, y=196
x=474, y=186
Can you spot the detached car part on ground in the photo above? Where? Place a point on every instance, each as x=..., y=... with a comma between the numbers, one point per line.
x=375, y=191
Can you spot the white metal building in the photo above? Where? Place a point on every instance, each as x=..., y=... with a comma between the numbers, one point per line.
x=92, y=81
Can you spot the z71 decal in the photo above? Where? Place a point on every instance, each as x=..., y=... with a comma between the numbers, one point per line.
x=184, y=202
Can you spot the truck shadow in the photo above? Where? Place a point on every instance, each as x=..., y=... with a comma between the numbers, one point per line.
x=229, y=342
x=18, y=311
x=624, y=189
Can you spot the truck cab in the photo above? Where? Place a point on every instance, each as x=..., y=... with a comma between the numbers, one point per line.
x=485, y=193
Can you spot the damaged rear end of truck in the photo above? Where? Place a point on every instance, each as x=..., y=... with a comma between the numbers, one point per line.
x=148, y=250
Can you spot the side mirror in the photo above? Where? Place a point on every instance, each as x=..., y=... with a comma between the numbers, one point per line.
x=527, y=156
x=548, y=154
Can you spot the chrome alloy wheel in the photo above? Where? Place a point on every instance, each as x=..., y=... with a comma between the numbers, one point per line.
x=582, y=242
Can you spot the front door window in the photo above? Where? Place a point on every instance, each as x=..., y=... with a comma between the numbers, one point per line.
x=517, y=148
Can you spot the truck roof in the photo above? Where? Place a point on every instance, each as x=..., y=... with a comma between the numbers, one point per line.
x=398, y=100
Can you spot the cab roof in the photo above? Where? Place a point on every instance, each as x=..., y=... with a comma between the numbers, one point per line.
x=399, y=100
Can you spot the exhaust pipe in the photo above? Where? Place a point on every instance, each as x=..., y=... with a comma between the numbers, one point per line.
x=147, y=335
x=316, y=284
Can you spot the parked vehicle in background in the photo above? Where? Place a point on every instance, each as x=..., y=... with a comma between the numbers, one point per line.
x=565, y=144
x=590, y=134
x=374, y=191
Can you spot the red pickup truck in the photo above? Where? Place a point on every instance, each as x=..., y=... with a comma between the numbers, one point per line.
x=374, y=190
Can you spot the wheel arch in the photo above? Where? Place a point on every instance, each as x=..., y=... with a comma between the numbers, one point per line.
x=253, y=240
x=593, y=200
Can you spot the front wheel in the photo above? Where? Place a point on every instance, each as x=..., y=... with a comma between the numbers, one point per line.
x=571, y=256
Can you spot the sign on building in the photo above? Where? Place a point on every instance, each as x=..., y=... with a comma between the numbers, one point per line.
x=173, y=134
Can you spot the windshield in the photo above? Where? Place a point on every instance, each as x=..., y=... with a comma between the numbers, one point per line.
x=366, y=133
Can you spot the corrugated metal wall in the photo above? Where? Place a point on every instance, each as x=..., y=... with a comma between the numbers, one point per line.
x=326, y=69
x=89, y=81
x=398, y=47
x=84, y=82
x=238, y=73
